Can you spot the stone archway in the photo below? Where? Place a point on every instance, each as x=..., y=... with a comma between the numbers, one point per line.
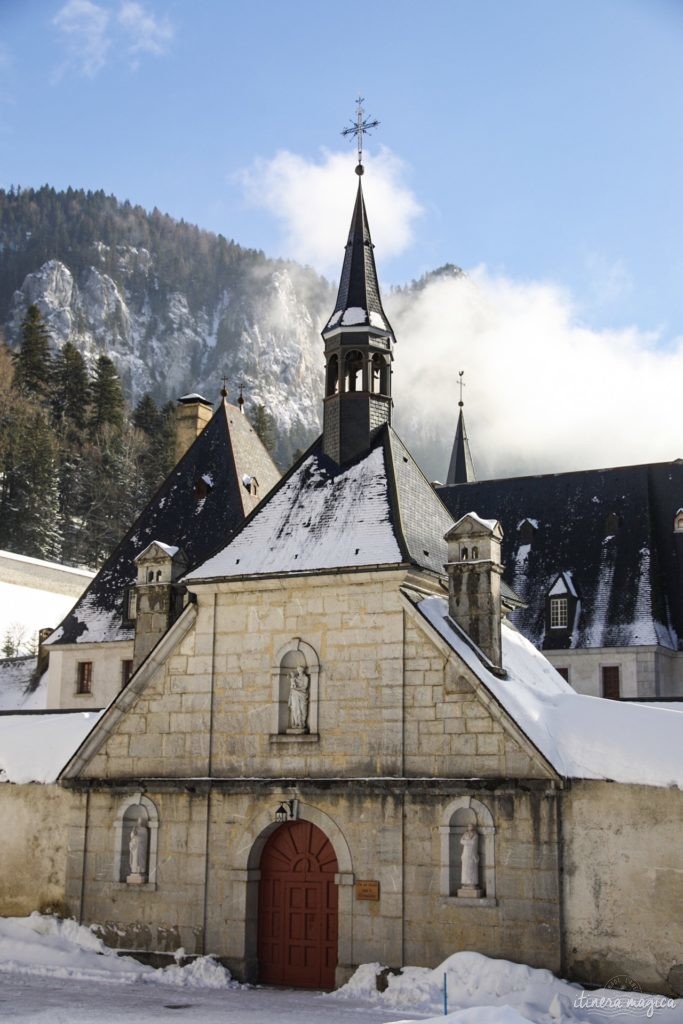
x=298, y=908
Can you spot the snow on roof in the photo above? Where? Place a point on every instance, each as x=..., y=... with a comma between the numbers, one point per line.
x=317, y=520
x=35, y=748
x=16, y=675
x=582, y=737
x=67, y=570
x=194, y=397
x=564, y=584
x=26, y=610
x=488, y=524
x=169, y=549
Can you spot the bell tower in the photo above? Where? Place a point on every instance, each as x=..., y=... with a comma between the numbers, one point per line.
x=358, y=340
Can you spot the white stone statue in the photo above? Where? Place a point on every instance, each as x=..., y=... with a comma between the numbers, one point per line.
x=470, y=856
x=298, y=699
x=137, y=850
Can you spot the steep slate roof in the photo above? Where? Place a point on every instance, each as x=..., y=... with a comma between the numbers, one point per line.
x=199, y=504
x=16, y=675
x=612, y=529
x=378, y=510
x=358, y=300
x=461, y=467
x=581, y=737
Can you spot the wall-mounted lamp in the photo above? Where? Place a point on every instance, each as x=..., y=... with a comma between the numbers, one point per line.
x=282, y=815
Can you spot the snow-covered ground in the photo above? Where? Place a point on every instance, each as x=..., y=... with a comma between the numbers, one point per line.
x=60, y=972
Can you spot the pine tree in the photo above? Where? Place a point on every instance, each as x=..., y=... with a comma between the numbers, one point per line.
x=32, y=361
x=107, y=396
x=70, y=388
x=146, y=415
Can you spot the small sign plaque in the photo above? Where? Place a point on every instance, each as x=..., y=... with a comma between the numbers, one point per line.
x=367, y=890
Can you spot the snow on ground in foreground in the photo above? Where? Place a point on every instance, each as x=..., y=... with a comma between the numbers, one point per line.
x=480, y=990
x=46, y=945
x=486, y=991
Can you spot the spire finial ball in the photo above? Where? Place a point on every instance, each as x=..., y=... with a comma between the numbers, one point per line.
x=360, y=169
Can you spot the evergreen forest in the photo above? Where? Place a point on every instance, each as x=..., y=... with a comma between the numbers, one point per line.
x=76, y=463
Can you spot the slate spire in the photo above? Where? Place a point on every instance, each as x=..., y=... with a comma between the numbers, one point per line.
x=358, y=349
x=358, y=286
x=461, y=467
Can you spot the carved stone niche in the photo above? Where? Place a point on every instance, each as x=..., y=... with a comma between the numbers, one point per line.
x=295, y=678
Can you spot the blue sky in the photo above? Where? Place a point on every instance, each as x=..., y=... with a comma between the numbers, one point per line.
x=544, y=140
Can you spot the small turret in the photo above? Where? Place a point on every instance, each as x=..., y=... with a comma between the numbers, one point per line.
x=159, y=600
x=461, y=467
x=474, y=576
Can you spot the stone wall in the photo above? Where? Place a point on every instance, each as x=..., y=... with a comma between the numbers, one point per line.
x=386, y=700
x=107, y=665
x=385, y=832
x=623, y=884
x=33, y=846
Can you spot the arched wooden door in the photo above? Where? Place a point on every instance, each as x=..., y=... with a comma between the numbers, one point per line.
x=297, y=920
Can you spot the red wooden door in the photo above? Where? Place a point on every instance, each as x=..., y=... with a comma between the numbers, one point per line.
x=297, y=923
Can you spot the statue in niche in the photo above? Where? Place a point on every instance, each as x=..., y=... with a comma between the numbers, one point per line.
x=138, y=845
x=469, y=884
x=299, y=684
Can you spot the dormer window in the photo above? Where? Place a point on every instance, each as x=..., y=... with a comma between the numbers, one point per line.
x=526, y=530
x=612, y=524
x=559, y=613
x=678, y=521
x=562, y=612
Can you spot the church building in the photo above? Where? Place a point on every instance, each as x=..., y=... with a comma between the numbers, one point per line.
x=337, y=750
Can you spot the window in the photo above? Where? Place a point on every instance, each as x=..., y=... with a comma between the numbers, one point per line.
x=564, y=672
x=379, y=377
x=332, y=376
x=354, y=371
x=475, y=552
x=678, y=521
x=610, y=682
x=126, y=671
x=84, y=677
x=464, y=554
x=559, y=613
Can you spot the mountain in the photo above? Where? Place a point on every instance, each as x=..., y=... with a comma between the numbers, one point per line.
x=175, y=307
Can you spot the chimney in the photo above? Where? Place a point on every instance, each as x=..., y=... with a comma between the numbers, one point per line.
x=474, y=574
x=191, y=416
x=43, y=652
x=159, y=597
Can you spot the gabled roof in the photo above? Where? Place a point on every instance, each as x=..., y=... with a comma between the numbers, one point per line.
x=199, y=504
x=581, y=737
x=358, y=301
x=378, y=510
x=461, y=467
x=612, y=529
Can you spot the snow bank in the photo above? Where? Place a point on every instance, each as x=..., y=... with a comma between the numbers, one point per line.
x=582, y=737
x=49, y=946
x=35, y=748
x=486, y=991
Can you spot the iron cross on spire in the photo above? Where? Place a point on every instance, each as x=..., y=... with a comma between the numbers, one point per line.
x=461, y=385
x=360, y=128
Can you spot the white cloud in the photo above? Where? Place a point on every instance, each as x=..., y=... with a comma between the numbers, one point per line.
x=313, y=202
x=147, y=33
x=544, y=391
x=83, y=27
x=91, y=34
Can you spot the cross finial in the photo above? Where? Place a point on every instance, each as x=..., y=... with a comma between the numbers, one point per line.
x=240, y=400
x=461, y=385
x=224, y=389
x=360, y=127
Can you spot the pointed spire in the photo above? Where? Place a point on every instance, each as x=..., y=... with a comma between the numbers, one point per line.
x=461, y=467
x=358, y=300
